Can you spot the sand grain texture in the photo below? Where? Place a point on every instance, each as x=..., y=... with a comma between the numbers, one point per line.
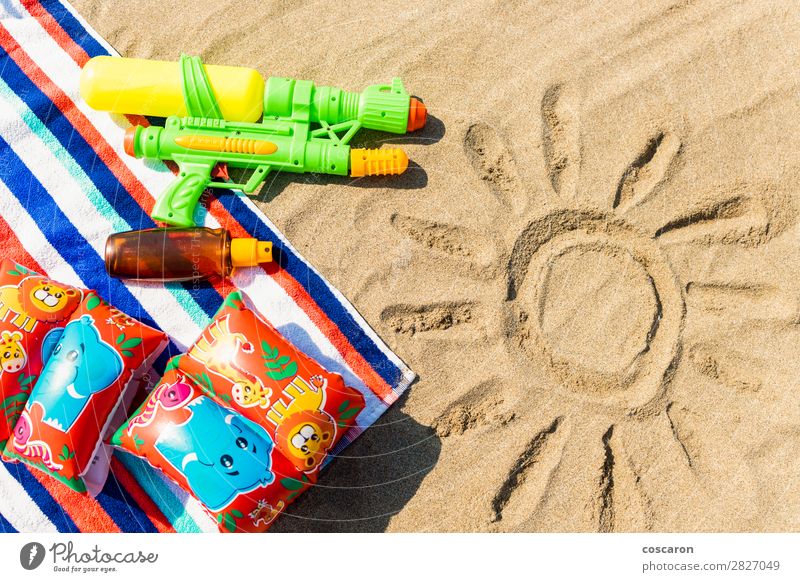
x=593, y=262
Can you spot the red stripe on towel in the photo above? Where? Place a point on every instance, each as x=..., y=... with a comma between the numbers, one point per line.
x=58, y=34
x=12, y=247
x=85, y=511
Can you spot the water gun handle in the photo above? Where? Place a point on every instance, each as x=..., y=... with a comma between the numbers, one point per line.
x=176, y=205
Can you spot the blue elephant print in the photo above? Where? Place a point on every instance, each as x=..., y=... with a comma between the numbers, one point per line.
x=220, y=452
x=50, y=342
x=80, y=365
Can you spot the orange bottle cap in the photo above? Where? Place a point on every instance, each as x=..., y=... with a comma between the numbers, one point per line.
x=248, y=252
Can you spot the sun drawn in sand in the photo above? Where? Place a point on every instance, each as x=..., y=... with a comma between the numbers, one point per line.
x=589, y=303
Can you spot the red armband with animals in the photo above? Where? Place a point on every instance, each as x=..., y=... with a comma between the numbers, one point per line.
x=229, y=463
x=100, y=353
x=244, y=363
x=33, y=311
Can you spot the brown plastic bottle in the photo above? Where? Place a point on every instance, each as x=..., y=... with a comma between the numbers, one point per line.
x=181, y=254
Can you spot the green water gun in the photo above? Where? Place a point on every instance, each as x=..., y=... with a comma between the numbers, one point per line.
x=304, y=128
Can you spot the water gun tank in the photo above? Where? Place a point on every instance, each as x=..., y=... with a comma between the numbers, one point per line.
x=146, y=87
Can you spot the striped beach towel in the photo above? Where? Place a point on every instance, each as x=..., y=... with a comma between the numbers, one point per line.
x=65, y=185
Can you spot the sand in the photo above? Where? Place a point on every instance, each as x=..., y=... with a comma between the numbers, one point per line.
x=592, y=262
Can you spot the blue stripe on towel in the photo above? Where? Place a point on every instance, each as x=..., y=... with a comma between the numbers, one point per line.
x=5, y=525
x=41, y=496
x=123, y=509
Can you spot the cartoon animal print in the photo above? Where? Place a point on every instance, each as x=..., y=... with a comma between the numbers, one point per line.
x=50, y=341
x=249, y=394
x=166, y=396
x=265, y=513
x=81, y=365
x=12, y=355
x=221, y=453
x=303, y=428
x=37, y=299
x=217, y=349
x=120, y=320
x=32, y=449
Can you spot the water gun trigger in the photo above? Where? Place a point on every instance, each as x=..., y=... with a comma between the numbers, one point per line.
x=221, y=171
x=256, y=179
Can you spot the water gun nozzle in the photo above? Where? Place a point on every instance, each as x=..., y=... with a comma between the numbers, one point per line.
x=377, y=162
x=128, y=141
x=417, y=114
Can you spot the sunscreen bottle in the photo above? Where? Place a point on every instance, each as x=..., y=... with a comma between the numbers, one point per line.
x=181, y=254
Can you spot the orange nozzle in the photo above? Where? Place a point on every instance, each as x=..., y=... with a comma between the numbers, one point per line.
x=379, y=162
x=417, y=114
x=127, y=142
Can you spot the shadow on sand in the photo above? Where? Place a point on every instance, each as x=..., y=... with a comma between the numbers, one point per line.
x=370, y=481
